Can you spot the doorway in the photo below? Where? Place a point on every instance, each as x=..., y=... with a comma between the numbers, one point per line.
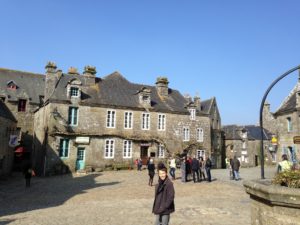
x=144, y=154
x=256, y=160
x=80, y=161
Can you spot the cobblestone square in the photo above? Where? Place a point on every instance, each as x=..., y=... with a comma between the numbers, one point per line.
x=123, y=198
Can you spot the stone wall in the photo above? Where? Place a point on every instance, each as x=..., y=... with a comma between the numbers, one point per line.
x=25, y=121
x=272, y=204
x=250, y=155
x=7, y=128
x=285, y=137
x=92, y=124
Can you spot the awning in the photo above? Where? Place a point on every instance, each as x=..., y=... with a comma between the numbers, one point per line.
x=20, y=150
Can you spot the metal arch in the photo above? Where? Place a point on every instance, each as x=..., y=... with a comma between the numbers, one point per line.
x=261, y=119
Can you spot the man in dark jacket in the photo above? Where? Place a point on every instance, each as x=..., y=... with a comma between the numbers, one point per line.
x=235, y=167
x=195, y=169
x=208, y=165
x=163, y=204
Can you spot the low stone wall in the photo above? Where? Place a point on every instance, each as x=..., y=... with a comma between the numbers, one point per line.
x=273, y=204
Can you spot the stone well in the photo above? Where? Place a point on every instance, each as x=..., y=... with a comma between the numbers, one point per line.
x=273, y=204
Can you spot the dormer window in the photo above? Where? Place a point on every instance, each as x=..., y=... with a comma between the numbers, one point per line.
x=192, y=114
x=74, y=92
x=12, y=85
x=22, y=105
x=145, y=97
x=244, y=134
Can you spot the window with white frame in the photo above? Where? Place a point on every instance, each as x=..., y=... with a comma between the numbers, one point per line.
x=200, y=153
x=161, y=122
x=127, y=149
x=186, y=134
x=74, y=92
x=289, y=124
x=64, y=148
x=73, y=116
x=128, y=120
x=111, y=119
x=146, y=121
x=109, y=149
x=244, y=145
x=161, y=151
x=192, y=114
x=199, y=134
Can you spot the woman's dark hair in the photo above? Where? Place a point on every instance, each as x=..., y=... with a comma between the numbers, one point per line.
x=284, y=157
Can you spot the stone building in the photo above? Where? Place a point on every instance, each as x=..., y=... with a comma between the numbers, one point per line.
x=22, y=93
x=285, y=124
x=83, y=122
x=244, y=142
x=7, y=128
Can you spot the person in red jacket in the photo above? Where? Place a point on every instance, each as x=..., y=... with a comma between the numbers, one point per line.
x=163, y=204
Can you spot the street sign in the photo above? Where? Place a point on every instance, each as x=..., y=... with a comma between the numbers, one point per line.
x=296, y=139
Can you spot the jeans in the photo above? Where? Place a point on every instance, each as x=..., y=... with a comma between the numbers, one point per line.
x=162, y=219
x=194, y=177
x=172, y=172
x=236, y=175
x=208, y=174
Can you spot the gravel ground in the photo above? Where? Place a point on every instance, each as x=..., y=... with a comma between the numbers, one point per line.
x=123, y=198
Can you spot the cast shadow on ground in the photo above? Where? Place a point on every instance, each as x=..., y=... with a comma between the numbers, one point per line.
x=45, y=192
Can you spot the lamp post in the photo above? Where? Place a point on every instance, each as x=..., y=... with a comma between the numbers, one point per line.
x=261, y=119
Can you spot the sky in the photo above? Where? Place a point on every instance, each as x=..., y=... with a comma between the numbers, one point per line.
x=232, y=50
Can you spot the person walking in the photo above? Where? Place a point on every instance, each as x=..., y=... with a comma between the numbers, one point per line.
x=163, y=204
x=195, y=169
x=202, y=168
x=284, y=165
x=28, y=173
x=151, y=171
x=183, y=170
x=236, y=166
x=172, y=167
x=208, y=166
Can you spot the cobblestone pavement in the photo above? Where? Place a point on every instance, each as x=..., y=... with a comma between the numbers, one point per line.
x=123, y=198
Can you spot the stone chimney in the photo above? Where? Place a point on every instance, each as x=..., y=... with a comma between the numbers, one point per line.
x=197, y=102
x=73, y=71
x=51, y=79
x=89, y=74
x=162, y=87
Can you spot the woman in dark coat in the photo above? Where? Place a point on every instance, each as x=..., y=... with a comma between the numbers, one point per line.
x=163, y=204
x=151, y=171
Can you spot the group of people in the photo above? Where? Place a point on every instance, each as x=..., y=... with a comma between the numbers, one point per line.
x=190, y=168
x=194, y=167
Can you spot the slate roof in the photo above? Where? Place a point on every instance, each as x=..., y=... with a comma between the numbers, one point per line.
x=112, y=90
x=115, y=90
x=30, y=85
x=288, y=106
x=232, y=132
x=206, y=105
x=6, y=113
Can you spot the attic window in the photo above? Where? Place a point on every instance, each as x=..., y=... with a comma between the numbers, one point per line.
x=22, y=105
x=192, y=114
x=74, y=91
x=146, y=98
x=12, y=85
